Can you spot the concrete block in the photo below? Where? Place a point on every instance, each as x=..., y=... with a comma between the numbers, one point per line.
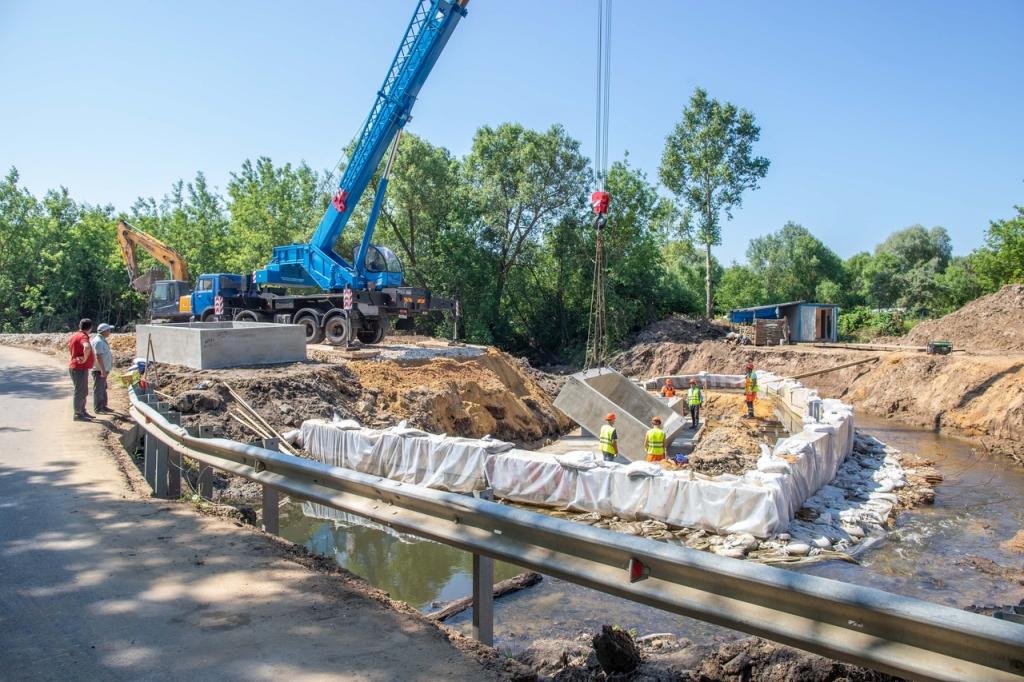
x=588, y=396
x=214, y=345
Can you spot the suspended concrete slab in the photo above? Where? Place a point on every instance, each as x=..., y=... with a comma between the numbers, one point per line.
x=588, y=396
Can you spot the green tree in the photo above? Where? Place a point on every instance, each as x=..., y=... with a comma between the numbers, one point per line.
x=1001, y=260
x=740, y=287
x=792, y=263
x=708, y=163
x=271, y=206
x=520, y=183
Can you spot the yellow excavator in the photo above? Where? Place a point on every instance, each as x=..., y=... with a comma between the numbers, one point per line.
x=169, y=299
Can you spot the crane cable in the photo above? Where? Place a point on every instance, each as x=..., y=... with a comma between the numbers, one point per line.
x=597, y=333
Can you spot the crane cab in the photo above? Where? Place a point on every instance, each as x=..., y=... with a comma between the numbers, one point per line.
x=382, y=267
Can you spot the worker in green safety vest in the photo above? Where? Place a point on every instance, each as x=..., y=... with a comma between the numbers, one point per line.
x=609, y=439
x=654, y=441
x=694, y=400
x=750, y=389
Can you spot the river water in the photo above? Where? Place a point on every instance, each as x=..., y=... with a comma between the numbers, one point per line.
x=947, y=553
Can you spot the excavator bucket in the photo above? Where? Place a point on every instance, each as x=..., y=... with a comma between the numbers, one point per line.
x=144, y=282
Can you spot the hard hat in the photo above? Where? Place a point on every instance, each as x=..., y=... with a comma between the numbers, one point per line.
x=610, y=417
x=750, y=365
x=656, y=420
x=693, y=381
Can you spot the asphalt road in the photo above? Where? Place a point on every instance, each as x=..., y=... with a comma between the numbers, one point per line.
x=96, y=584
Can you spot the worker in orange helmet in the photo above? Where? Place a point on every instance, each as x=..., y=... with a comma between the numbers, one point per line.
x=668, y=390
x=654, y=441
x=750, y=389
x=609, y=438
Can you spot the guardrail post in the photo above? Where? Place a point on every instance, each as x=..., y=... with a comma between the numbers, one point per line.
x=483, y=590
x=271, y=510
x=149, y=459
x=174, y=461
x=159, y=470
x=205, y=478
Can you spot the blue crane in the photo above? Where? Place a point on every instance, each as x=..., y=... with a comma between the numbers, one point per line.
x=316, y=264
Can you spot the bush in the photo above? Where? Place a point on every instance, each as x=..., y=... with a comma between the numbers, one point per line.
x=862, y=323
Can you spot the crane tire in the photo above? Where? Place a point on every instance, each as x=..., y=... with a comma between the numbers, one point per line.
x=337, y=328
x=312, y=328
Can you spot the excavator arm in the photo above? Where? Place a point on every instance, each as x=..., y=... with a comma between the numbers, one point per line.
x=129, y=238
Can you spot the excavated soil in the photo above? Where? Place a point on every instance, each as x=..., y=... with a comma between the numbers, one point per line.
x=990, y=323
x=730, y=441
x=978, y=396
x=681, y=329
x=489, y=394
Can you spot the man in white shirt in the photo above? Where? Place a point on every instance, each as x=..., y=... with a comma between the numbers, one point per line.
x=100, y=370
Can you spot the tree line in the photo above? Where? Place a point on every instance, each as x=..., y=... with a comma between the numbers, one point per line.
x=507, y=229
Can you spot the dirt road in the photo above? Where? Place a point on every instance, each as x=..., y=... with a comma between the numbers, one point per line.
x=97, y=584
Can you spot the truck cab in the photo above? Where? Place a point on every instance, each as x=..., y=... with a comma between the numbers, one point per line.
x=209, y=287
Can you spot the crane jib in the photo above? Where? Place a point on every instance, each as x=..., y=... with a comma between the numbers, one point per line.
x=316, y=263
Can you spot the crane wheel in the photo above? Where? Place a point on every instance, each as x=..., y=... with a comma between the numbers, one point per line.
x=310, y=325
x=375, y=334
x=249, y=316
x=338, y=329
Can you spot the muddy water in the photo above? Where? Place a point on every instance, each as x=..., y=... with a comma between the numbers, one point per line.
x=948, y=553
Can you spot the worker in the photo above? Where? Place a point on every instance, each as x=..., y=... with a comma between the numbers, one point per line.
x=101, y=368
x=654, y=441
x=609, y=438
x=81, y=363
x=668, y=390
x=694, y=399
x=750, y=389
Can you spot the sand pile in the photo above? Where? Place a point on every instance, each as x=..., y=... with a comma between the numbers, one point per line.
x=990, y=323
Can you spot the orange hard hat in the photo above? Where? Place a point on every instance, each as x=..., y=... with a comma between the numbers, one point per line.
x=656, y=420
x=693, y=381
x=610, y=417
x=750, y=365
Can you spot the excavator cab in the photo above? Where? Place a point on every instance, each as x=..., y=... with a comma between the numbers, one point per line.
x=165, y=300
x=383, y=267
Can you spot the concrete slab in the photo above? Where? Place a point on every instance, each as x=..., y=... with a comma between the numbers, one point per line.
x=215, y=345
x=588, y=396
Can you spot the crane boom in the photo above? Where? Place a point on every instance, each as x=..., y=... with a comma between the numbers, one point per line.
x=129, y=238
x=316, y=264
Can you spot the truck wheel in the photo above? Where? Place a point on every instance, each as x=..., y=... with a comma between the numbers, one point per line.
x=249, y=316
x=375, y=334
x=314, y=332
x=207, y=315
x=338, y=330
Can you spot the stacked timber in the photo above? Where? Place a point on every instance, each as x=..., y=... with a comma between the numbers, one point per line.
x=771, y=332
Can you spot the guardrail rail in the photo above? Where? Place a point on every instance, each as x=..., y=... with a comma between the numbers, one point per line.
x=860, y=625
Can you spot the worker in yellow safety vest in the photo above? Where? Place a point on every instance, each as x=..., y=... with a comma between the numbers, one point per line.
x=654, y=441
x=750, y=389
x=609, y=439
x=694, y=400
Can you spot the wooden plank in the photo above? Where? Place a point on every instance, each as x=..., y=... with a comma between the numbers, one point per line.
x=833, y=369
x=513, y=584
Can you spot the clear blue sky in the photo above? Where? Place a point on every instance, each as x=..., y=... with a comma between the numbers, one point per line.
x=875, y=115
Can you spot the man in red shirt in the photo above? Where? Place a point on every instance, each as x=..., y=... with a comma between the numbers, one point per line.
x=81, y=363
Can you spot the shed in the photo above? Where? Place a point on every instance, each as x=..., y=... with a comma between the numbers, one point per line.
x=807, y=321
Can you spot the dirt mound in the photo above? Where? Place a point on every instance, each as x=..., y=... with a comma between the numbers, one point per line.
x=991, y=323
x=730, y=442
x=681, y=329
x=979, y=396
x=474, y=397
x=757, y=659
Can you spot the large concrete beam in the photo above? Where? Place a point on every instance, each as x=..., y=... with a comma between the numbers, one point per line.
x=588, y=396
x=213, y=345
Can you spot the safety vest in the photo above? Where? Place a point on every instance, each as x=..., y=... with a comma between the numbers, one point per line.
x=656, y=442
x=750, y=384
x=693, y=396
x=668, y=391
x=608, y=440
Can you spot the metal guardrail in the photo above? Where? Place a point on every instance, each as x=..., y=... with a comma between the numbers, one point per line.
x=860, y=625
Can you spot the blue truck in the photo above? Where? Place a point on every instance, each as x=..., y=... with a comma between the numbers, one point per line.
x=355, y=299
